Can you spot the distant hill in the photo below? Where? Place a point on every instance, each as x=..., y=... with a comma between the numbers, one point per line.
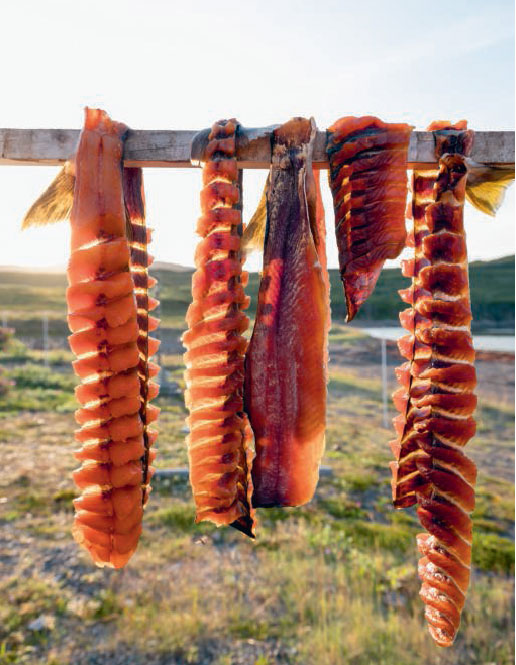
x=48, y=270
x=26, y=294
x=60, y=269
x=491, y=283
x=172, y=267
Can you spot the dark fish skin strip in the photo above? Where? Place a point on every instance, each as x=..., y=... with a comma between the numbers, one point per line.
x=140, y=261
x=285, y=367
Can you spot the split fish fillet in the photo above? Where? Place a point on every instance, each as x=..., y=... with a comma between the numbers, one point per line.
x=108, y=314
x=286, y=362
x=220, y=442
x=436, y=401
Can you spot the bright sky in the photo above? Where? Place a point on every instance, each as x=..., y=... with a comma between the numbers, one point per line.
x=182, y=65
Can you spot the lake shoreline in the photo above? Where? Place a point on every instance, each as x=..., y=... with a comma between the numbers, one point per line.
x=491, y=343
x=477, y=327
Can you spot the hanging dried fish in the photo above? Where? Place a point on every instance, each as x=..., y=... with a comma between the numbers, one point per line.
x=368, y=179
x=436, y=401
x=108, y=315
x=286, y=362
x=220, y=443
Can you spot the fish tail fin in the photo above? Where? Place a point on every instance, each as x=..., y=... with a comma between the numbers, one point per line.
x=254, y=233
x=486, y=186
x=54, y=204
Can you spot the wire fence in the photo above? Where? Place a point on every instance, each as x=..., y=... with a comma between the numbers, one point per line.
x=48, y=333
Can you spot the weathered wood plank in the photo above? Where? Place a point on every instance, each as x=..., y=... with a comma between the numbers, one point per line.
x=171, y=148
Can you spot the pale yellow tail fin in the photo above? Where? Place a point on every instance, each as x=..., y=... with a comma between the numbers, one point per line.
x=486, y=185
x=254, y=234
x=55, y=204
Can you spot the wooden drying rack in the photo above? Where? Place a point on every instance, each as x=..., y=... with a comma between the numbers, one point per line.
x=177, y=148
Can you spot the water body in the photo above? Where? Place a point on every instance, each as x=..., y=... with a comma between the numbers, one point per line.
x=503, y=343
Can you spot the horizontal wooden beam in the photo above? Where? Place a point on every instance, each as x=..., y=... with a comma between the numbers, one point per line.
x=175, y=148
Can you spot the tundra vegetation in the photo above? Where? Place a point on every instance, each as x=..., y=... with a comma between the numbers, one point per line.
x=330, y=583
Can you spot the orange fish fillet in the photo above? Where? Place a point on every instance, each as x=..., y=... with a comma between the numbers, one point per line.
x=108, y=308
x=286, y=362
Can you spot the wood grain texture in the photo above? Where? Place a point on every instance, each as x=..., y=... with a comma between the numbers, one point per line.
x=172, y=148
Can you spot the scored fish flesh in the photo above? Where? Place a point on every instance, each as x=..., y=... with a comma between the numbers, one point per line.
x=368, y=179
x=220, y=442
x=108, y=305
x=436, y=401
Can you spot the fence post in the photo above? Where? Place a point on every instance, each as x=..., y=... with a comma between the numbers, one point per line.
x=162, y=377
x=45, y=339
x=384, y=384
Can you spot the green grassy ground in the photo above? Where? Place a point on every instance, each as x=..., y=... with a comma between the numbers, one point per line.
x=331, y=583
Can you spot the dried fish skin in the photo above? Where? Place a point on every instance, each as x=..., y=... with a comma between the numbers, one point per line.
x=139, y=236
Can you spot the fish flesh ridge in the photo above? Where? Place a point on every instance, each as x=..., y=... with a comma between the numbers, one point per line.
x=220, y=442
x=368, y=180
